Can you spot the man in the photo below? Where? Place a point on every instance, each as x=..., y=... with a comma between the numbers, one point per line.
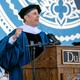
x=14, y=52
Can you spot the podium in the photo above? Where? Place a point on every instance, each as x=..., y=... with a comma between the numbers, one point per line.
x=55, y=63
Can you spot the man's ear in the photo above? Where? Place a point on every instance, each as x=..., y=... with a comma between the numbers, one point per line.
x=26, y=17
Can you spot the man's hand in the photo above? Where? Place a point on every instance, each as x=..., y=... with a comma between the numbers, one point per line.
x=17, y=33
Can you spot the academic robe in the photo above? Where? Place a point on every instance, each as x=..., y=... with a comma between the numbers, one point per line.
x=14, y=56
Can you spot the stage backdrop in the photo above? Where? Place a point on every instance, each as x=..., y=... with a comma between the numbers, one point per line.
x=59, y=17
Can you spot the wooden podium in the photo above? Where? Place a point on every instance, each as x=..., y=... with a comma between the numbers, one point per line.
x=55, y=63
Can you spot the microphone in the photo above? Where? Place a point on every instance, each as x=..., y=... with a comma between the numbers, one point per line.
x=53, y=39
x=76, y=43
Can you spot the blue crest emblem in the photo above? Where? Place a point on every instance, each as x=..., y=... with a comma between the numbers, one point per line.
x=60, y=17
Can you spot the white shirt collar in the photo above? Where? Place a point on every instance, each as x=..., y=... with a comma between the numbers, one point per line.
x=29, y=29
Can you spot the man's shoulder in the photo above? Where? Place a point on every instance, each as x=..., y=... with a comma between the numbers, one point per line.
x=43, y=33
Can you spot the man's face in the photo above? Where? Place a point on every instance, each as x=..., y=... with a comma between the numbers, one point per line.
x=32, y=18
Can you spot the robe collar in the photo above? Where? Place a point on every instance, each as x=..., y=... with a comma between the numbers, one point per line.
x=29, y=29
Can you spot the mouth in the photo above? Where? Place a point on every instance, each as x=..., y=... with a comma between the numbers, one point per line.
x=37, y=20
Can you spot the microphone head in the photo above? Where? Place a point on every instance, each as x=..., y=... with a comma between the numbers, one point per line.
x=76, y=43
x=53, y=39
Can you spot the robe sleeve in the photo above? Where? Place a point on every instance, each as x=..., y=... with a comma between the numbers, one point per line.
x=3, y=45
x=9, y=53
x=12, y=54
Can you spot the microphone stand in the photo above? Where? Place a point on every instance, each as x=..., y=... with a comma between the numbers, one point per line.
x=32, y=61
x=32, y=46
